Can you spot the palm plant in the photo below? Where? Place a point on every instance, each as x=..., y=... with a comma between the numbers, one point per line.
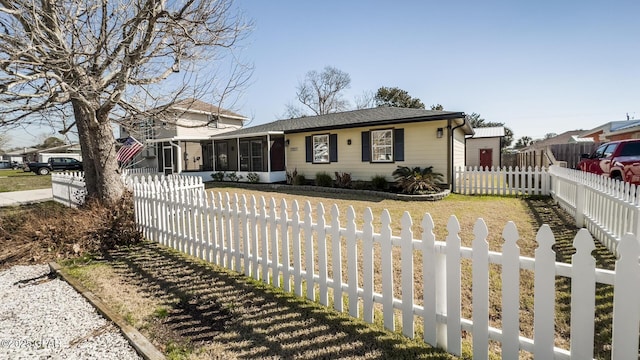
x=417, y=180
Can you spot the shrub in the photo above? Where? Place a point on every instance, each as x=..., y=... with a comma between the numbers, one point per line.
x=379, y=182
x=253, y=177
x=360, y=185
x=417, y=180
x=218, y=176
x=299, y=180
x=323, y=179
x=234, y=177
x=343, y=180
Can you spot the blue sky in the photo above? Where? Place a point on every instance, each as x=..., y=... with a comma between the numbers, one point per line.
x=537, y=66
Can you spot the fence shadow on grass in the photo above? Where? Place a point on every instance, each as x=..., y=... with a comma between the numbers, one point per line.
x=546, y=211
x=213, y=306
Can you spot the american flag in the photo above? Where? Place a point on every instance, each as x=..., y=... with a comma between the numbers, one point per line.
x=130, y=148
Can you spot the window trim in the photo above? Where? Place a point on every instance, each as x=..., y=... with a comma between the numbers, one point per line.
x=313, y=148
x=391, y=146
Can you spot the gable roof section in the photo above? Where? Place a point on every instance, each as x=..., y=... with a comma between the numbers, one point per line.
x=487, y=132
x=197, y=106
x=350, y=119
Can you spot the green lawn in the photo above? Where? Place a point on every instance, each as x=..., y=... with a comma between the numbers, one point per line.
x=18, y=180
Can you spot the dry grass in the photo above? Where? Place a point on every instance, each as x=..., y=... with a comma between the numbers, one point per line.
x=38, y=233
x=176, y=299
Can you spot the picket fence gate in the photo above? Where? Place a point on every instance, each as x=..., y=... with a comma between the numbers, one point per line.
x=250, y=236
x=501, y=181
x=68, y=188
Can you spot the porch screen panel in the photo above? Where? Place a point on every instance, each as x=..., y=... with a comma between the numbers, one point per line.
x=244, y=156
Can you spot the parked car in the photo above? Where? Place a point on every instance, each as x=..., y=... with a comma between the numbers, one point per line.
x=618, y=160
x=55, y=164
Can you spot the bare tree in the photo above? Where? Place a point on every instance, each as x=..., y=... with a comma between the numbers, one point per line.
x=4, y=141
x=322, y=92
x=104, y=60
x=366, y=100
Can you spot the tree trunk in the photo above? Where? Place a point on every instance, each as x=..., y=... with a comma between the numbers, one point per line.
x=102, y=175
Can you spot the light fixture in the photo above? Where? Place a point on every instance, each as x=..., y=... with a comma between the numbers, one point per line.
x=439, y=133
x=348, y=141
x=286, y=142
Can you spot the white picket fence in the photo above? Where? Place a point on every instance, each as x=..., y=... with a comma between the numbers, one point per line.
x=501, y=181
x=68, y=188
x=608, y=208
x=280, y=247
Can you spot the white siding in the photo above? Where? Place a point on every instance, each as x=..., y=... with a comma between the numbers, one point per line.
x=474, y=146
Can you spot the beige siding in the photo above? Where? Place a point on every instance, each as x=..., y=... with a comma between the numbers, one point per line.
x=474, y=146
x=458, y=149
x=187, y=122
x=421, y=148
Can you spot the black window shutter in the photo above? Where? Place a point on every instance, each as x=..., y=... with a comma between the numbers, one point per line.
x=333, y=148
x=308, y=146
x=366, y=146
x=398, y=144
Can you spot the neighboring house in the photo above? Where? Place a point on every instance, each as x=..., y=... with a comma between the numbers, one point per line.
x=563, y=150
x=179, y=138
x=42, y=155
x=69, y=151
x=614, y=130
x=483, y=148
x=363, y=143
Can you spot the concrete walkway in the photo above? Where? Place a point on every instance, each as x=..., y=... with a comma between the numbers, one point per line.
x=25, y=197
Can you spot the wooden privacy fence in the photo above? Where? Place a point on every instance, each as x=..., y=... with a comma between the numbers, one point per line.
x=608, y=208
x=501, y=181
x=288, y=248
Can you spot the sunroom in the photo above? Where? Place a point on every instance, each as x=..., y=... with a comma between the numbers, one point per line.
x=241, y=154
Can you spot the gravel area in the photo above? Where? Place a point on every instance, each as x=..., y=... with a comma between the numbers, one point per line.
x=45, y=318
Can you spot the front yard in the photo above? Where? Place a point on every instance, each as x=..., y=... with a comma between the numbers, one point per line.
x=169, y=296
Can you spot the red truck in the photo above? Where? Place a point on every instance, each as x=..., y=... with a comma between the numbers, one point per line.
x=618, y=160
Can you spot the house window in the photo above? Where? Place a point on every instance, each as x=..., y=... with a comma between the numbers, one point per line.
x=382, y=145
x=321, y=148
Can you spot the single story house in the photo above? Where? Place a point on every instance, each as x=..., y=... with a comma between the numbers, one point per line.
x=363, y=143
x=483, y=148
x=177, y=138
x=614, y=130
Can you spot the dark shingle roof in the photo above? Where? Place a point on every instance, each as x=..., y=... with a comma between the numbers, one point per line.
x=348, y=119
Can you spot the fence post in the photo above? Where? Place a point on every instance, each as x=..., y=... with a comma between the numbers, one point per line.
x=580, y=195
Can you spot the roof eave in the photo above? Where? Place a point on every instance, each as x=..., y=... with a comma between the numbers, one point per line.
x=458, y=115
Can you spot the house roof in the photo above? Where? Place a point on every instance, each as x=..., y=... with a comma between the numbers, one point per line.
x=614, y=127
x=564, y=138
x=197, y=106
x=350, y=119
x=487, y=132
